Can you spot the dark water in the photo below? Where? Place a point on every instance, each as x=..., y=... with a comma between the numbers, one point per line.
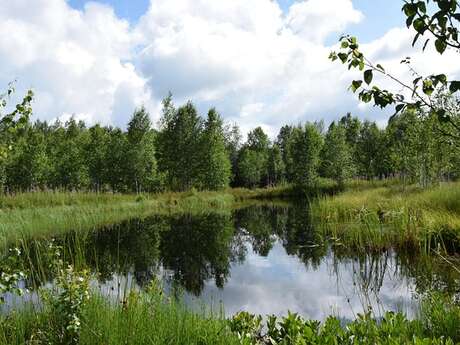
x=262, y=259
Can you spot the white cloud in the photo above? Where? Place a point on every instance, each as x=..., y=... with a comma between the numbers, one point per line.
x=248, y=58
x=75, y=60
x=256, y=64
x=316, y=19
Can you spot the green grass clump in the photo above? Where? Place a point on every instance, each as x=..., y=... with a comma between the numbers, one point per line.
x=149, y=317
x=45, y=214
x=71, y=312
x=52, y=199
x=140, y=319
x=38, y=215
x=392, y=217
x=439, y=316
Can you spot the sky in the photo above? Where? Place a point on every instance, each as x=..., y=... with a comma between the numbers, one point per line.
x=380, y=15
x=259, y=62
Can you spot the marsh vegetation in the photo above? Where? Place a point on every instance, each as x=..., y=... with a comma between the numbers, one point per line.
x=182, y=233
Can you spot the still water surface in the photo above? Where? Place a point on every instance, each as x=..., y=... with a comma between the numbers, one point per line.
x=262, y=259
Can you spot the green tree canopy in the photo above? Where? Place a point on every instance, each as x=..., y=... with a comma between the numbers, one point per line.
x=215, y=161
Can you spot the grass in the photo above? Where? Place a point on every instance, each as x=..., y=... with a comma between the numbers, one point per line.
x=146, y=318
x=45, y=214
x=139, y=320
x=366, y=216
x=48, y=214
x=392, y=217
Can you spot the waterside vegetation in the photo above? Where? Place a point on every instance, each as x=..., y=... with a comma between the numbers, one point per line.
x=75, y=315
x=41, y=214
x=398, y=217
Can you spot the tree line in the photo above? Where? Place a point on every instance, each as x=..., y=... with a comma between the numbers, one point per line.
x=187, y=151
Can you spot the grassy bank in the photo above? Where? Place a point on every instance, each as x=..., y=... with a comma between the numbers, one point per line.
x=392, y=216
x=146, y=318
x=140, y=319
x=36, y=215
x=366, y=216
x=47, y=214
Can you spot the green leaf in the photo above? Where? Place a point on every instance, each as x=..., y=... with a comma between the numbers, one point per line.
x=409, y=21
x=421, y=6
x=399, y=107
x=454, y=86
x=410, y=10
x=426, y=43
x=419, y=25
x=343, y=57
x=415, y=39
x=333, y=56
x=442, y=21
x=444, y=5
x=355, y=85
x=344, y=44
x=441, y=45
x=368, y=76
x=442, y=115
x=428, y=87
x=379, y=66
x=441, y=78
x=365, y=97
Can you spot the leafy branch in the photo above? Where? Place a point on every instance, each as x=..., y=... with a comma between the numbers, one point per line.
x=443, y=25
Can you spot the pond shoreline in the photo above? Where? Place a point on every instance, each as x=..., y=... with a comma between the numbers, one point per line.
x=147, y=315
x=365, y=216
x=46, y=214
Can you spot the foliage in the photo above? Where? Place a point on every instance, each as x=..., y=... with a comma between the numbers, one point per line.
x=11, y=123
x=178, y=146
x=232, y=138
x=11, y=273
x=141, y=165
x=442, y=25
x=142, y=318
x=336, y=156
x=305, y=147
x=215, y=161
x=276, y=167
x=67, y=306
x=253, y=159
x=251, y=167
x=188, y=152
x=439, y=316
x=394, y=328
x=373, y=220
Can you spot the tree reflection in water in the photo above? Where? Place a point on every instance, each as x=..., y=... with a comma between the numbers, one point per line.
x=195, y=249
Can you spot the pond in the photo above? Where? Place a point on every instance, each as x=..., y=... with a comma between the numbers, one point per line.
x=264, y=259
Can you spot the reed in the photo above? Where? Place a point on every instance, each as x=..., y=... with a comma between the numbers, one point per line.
x=138, y=320
x=46, y=214
x=146, y=319
x=49, y=214
x=392, y=217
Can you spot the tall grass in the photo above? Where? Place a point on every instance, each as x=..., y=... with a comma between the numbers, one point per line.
x=143, y=318
x=392, y=216
x=48, y=214
x=140, y=319
x=45, y=214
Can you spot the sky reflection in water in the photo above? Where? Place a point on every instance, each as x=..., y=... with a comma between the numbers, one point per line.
x=262, y=259
x=280, y=283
